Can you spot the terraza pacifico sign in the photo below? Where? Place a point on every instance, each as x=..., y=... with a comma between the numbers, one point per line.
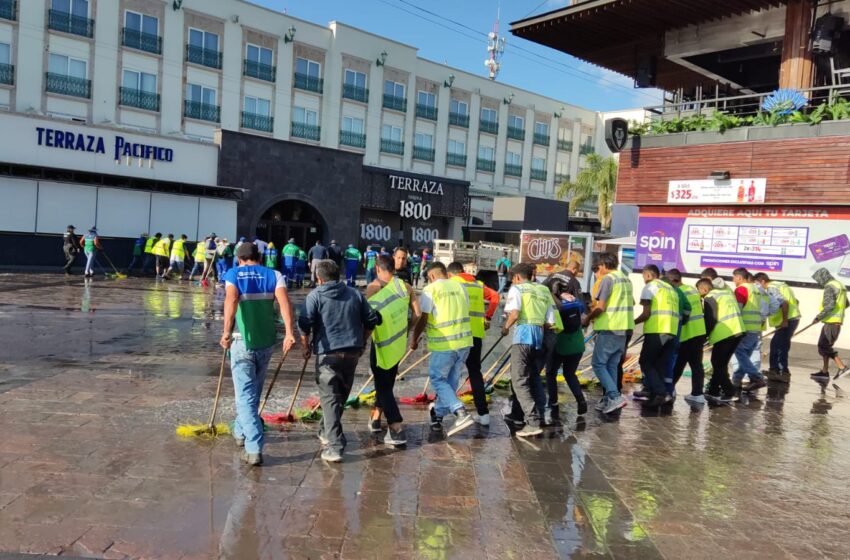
x=90, y=143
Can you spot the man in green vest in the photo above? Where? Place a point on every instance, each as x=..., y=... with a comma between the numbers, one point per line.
x=162, y=249
x=290, y=255
x=833, y=305
x=612, y=317
x=271, y=256
x=150, y=257
x=530, y=307
x=754, y=310
x=691, y=340
x=785, y=320
x=179, y=254
x=351, y=257
x=392, y=298
x=661, y=316
x=91, y=245
x=725, y=329
x=445, y=312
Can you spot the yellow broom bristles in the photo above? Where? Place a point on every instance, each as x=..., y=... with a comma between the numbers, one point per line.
x=202, y=430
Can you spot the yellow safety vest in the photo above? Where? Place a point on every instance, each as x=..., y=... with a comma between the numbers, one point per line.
x=177, y=250
x=729, y=321
x=536, y=301
x=696, y=321
x=390, y=337
x=751, y=311
x=663, y=310
x=448, y=328
x=619, y=314
x=200, y=251
x=836, y=316
x=149, y=244
x=475, y=291
x=793, y=305
x=161, y=248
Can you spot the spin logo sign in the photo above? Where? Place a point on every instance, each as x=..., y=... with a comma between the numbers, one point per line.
x=657, y=241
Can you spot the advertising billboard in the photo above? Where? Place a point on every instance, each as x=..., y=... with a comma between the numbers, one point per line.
x=789, y=243
x=550, y=252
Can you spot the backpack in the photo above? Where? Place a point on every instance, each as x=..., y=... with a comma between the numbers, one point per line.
x=571, y=315
x=502, y=268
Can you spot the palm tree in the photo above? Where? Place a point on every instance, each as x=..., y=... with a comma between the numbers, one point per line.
x=597, y=182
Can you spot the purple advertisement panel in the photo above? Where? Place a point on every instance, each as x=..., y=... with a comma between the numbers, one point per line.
x=831, y=248
x=766, y=265
x=658, y=240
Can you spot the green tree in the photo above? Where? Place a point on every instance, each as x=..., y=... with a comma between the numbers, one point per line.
x=597, y=182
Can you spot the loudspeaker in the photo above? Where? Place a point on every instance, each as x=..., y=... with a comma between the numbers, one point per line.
x=646, y=71
x=827, y=28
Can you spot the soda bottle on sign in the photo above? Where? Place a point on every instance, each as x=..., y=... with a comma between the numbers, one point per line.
x=741, y=192
x=751, y=195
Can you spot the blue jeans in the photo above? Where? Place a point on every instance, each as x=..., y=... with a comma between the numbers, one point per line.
x=780, y=345
x=748, y=358
x=248, y=368
x=90, y=262
x=607, y=352
x=445, y=369
x=199, y=265
x=351, y=271
x=502, y=281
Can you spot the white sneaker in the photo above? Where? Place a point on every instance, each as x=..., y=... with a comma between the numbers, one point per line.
x=615, y=404
x=695, y=399
x=601, y=404
x=483, y=419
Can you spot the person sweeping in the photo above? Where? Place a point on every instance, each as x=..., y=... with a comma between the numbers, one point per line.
x=833, y=305
x=250, y=294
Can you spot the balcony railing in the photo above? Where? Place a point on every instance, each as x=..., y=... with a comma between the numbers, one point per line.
x=424, y=154
x=561, y=178
x=586, y=149
x=490, y=127
x=67, y=23
x=541, y=139
x=513, y=170
x=254, y=69
x=459, y=119
x=395, y=103
x=8, y=9
x=355, y=139
x=255, y=121
x=139, y=99
x=456, y=159
x=68, y=85
x=136, y=39
x=357, y=93
x=201, y=111
x=538, y=174
x=426, y=111
x=488, y=165
x=392, y=146
x=309, y=83
x=202, y=56
x=306, y=131
x=7, y=74
x=565, y=145
x=516, y=133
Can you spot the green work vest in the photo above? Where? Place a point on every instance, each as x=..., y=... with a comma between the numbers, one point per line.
x=352, y=254
x=161, y=248
x=836, y=316
x=619, y=314
x=450, y=330
x=88, y=243
x=200, y=251
x=789, y=297
x=696, y=321
x=149, y=244
x=663, y=310
x=390, y=337
x=177, y=251
x=290, y=250
x=751, y=312
x=535, y=303
x=271, y=258
x=729, y=321
x=475, y=291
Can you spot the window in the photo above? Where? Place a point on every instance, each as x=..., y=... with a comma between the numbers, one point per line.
x=258, y=106
x=203, y=40
x=538, y=164
x=307, y=67
x=426, y=99
x=355, y=125
x=562, y=168
x=541, y=128
x=486, y=153
x=456, y=147
x=200, y=94
x=516, y=122
x=67, y=66
x=79, y=8
x=459, y=107
x=259, y=55
x=305, y=116
x=139, y=81
x=565, y=134
x=513, y=158
x=394, y=89
x=422, y=140
x=141, y=23
x=5, y=53
x=488, y=115
x=354, y=78
x=389, y=132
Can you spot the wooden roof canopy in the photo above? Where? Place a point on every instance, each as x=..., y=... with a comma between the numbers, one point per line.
x=615, y=33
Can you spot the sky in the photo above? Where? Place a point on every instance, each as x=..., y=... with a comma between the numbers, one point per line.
x=542, y=70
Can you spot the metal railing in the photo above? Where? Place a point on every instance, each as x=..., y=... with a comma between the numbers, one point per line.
x=306, y=131
x=538, y=174
x=255, y=121
x=459, y=119
x=130, y=97
x=254, y=69
x=586, y=149
x=488, y=165
x=7, y=74
x=201, y=111
x=541, y=139
x=424, y=154
x=513, y=170
x=204, y=57
x=355, y=139
x=136, y=39
x=490, y=127
x=458, y=160
x=395, y=103
x=565, y=145
x=392, y=146
x=516, y=133
x=561, y=178
x=426, y=111
x=68, y=85
x=8, y=9
x=309, y=83
x=67, y=23
x=357, y=93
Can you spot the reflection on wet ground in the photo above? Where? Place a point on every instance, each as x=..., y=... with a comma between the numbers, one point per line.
x=94, y=377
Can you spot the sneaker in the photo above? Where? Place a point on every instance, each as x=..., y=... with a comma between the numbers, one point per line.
x=394, y=437
x=778, y=376
x=240, y=441
x=482, y=419
x=658, y=401
x=641, y=395
x=726, y=397
x=517, y=423
x=841, y=372
x=253, y=459
x=820, y=375
x=581, y=408
x=322, y=438
x=375, y=425
x=695, y=399
x=331, y=456
x=529, y=431
x=436, y=421
x=463, y=420
x=615, y=404
x=601, y=404
x=756, y=385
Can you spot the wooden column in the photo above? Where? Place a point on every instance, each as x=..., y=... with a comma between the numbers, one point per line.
x=797, y=68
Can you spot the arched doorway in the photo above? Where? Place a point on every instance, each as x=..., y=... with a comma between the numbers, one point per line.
x=291, y=219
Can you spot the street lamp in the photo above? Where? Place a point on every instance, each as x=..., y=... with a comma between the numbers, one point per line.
x=290, y=35
x=381, y=59
x=448, y=83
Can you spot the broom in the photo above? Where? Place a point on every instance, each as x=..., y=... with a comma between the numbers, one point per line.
x=210, y=429
x=421, y=398
x=117, y=274
x=288, y=417
x=274, y=378
x=481, y=361
x=358, y=398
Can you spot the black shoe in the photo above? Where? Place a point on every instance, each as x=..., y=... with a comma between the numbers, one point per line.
x=658, y=401
x=820, y=375
x=436, y=421
x=581, y=408
x=756, y=385
x=252, y=459
x=726, y=398
x=395, y=438
x=779, y=376
x=375, y=425
x=642, y=395
x=515, y=422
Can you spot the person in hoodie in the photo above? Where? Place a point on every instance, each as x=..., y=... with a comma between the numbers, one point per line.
x=340, y=321
x=831, y=314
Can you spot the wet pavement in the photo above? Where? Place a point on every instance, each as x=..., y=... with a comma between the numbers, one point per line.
x=95, y=376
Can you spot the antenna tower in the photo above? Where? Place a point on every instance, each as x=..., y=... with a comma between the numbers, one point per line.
x=495, y=48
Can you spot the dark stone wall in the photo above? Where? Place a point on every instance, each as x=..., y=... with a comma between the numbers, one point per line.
x=27, y=250
x=275, y=170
